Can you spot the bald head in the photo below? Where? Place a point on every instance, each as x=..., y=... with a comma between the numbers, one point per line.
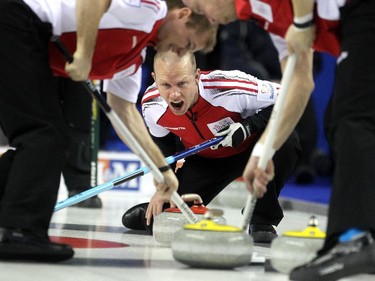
x=171, y=60
x=177, y=78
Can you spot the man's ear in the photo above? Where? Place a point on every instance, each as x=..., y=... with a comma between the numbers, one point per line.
x=184, y=12
x=197, y=74
x=153, y=76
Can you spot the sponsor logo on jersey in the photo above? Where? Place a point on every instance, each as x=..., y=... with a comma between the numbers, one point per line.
x=220, y=124
x=175, y=128
x=266, y=92
x=262, y=9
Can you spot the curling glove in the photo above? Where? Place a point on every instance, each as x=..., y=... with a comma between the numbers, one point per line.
x=235, y=133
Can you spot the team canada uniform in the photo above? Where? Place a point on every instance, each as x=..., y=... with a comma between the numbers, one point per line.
x=30, y=104
x=276, y=16
x=225, y=97
x=121, y=44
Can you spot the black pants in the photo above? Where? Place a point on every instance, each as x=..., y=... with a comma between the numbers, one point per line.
x=351, y=123
x=76, y=104
x=31, y=117
x=208, y=177
x=46, y=119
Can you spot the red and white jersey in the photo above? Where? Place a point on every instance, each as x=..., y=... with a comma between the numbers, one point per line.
x=125, y=30
x=275, y=16
x=225, y=97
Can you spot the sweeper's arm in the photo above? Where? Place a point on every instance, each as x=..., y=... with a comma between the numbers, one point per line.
x=155, y=206
x=301, y=34
x=129, y=114
x=88, y=15
x=299, y=39
x=300, y=87
x=168, y=146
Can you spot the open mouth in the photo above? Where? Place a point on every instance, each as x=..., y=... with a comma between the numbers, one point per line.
x=177, y=105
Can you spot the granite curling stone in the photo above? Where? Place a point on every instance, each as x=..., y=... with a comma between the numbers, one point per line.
x=295, y=248
x=168, y=222
x=207, y=244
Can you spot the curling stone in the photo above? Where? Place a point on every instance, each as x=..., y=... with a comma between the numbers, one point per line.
x=233, y=195
x=207, y=244
x=168, y=222
x=295, y=248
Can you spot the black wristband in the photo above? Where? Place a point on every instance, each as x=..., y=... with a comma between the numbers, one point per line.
x=304, y=25
x=164, y=168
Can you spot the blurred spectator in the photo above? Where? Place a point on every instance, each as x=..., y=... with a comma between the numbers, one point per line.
x=246, y=47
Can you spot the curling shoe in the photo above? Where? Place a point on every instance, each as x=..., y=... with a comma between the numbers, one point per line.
x=134, y=218
x=91, y=203
x=262, y=233
x=353, y=254
x=17, y=244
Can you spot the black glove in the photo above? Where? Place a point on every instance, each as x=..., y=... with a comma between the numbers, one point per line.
x=235, y=133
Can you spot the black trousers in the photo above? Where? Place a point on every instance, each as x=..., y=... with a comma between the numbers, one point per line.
x=208, y=177
x=76, y=105
x=47, y=120
x=31, y=117
x=350, y=123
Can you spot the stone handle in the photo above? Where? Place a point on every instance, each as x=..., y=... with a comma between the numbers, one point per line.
x=212, y=213
x=189, y=197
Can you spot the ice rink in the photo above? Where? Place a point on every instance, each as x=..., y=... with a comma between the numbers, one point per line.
x=105, y=250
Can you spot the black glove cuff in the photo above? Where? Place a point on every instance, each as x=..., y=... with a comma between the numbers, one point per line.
x=246, y=124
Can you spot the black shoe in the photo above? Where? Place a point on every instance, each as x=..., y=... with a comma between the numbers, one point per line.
x=134, y=218
x=93, y=202
x=262, y=233
x=344, y=259
x=22, y=245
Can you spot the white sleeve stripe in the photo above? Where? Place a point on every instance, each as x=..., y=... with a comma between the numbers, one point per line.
x=149, y=94
x=222, y=81
x=252, y=87
x=229, y=81
x=236, y=89
x=152, y=3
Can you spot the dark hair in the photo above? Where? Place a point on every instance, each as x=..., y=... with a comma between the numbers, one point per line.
x=197, y=22
x=174, y=4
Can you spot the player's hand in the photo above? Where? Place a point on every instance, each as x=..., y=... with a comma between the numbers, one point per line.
x=169, y=185
x=256, y=178
x=235, y=134
x=155, y=206
x=299, y=40
x=79, y=69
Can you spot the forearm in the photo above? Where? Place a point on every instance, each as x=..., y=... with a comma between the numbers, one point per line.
x=88, y=15
x=133, y=120
x=302, y=8
x=300, y=89
x=300, y=35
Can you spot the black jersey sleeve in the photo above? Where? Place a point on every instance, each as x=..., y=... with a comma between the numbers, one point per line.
x=258, y=121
